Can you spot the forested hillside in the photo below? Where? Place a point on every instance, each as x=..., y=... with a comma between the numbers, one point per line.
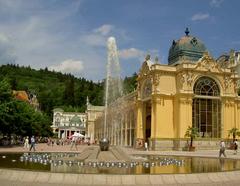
x=54, y=89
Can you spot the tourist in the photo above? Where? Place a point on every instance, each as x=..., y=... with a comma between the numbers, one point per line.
x=26, y=143
x=235, y=146
x=32, y=143
x=222, y=149
x=146, y=146
x=74, y=141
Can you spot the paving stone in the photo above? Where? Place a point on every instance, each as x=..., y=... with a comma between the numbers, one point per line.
x=156, y=179
x=214, y=177
x=142, y=179
x=180, y=178
x=29, y=176
x=56, y=178
x=70, y=178
x=223, y=176
x=100, y=179
x=114, y=180
x=169, y=179
x=42, y=177
x=231, y=176
x=6, y=174
x=192, y=178
x=85, y=179
x=17, y=175
x=203, y=178
x=128, y=179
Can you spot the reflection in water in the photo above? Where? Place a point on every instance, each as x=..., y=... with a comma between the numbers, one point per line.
x=70, y=163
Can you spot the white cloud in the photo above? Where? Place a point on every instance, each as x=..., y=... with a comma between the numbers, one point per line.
x=68, y=66
x=216, y=3
x=94, y=40
x=104, y=29
x=200, y=17
x=131, y=53
x=43, y=33
x=98, y=36
x=7, y=54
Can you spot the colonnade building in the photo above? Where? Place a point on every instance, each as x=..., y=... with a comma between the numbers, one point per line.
x=193, y=89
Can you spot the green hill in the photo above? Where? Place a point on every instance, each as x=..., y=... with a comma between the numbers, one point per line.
x=54, y=89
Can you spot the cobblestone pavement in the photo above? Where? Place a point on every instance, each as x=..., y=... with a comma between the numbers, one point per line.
x=29, y=178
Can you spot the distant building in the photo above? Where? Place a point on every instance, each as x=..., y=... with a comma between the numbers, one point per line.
x=66, y=123
x=92, y=113
x=29, y=98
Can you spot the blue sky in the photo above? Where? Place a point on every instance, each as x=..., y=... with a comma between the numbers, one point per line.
x=71, y=35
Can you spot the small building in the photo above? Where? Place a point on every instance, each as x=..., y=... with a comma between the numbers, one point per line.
x=66, y=123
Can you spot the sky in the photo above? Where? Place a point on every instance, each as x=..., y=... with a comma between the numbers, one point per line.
x=71, y=35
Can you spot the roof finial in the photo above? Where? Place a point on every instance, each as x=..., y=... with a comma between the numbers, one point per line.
x=187, y=31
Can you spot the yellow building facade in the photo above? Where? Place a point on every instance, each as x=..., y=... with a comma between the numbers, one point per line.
x=193, y=90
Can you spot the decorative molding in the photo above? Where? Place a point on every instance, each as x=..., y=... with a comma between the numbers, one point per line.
x=227, y=82
x=186, y=78
x=146, y=89
x=229, y=103
x=155, y=79
x=186, y=101
x=207, y=63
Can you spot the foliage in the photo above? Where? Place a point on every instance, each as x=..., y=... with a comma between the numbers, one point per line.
x=192, y=133
x=54, y=89
x=19, y=117
x=234, y=132
x=130, y=83
x=5, y=91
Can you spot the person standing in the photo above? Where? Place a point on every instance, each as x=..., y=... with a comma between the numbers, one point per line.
x=26, y=143
x=222, y=149
x=74, y=142
x=235, y=146
x=33, y=142
x=146, y=146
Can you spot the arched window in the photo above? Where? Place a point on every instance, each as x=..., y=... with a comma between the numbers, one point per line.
x=206, y=86
x=206, y=108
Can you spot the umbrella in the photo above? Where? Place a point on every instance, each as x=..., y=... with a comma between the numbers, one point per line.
x=76, y=134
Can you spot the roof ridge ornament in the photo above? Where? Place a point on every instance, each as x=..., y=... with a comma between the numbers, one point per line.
x=187, y=31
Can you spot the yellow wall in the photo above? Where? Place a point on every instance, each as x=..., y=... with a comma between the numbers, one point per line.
x=228, y=115
x=162, y=125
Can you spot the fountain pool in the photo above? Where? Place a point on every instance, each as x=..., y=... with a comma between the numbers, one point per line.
x=140, y=164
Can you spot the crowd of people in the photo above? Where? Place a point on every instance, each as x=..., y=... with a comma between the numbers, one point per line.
x=73, y=141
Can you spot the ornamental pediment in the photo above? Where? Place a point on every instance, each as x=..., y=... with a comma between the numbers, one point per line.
x=207, y=63
x=144, y=70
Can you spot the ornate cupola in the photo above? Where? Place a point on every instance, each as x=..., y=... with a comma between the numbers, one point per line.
x=187, y=48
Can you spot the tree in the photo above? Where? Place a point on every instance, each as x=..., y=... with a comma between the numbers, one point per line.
x=5, y=91
x=234, y=132
x=19, y=117
x=69, y=92
x=192, y=133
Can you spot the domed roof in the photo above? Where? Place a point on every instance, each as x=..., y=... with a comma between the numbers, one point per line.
x=186, y=48
x=75, y=119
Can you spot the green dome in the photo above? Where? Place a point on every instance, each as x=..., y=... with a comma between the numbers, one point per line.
x=75, y=119
x=186, y=48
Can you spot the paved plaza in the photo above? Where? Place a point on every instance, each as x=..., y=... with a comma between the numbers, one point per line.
x=29, y=178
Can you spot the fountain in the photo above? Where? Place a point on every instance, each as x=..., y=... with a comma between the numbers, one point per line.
x=113, y=86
